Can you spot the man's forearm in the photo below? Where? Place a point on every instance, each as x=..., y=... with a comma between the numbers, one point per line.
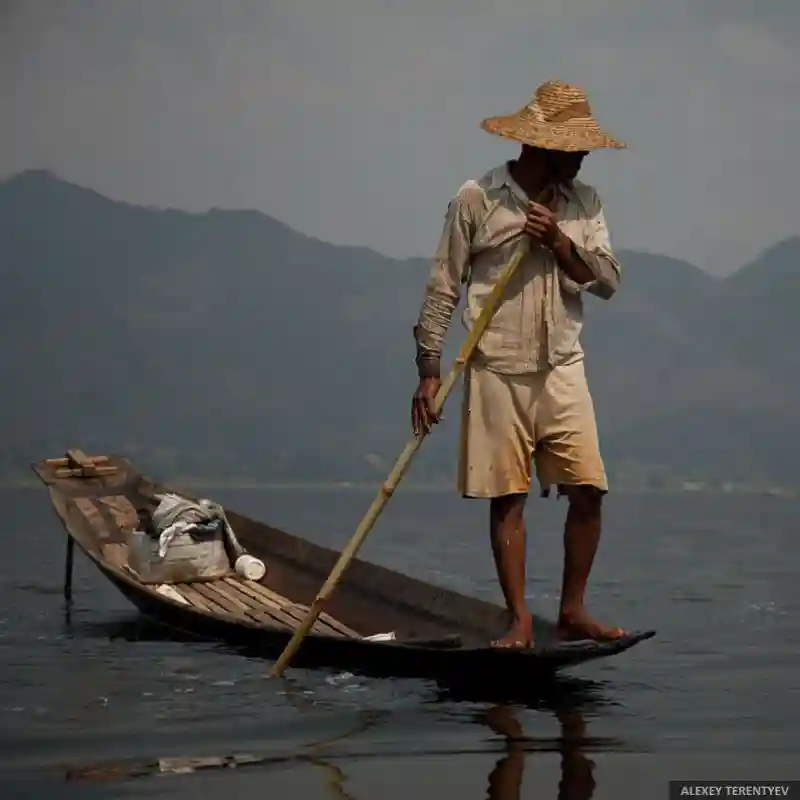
x=568, y=260
x=592, y=268
x=430, y=331
x=443, y=289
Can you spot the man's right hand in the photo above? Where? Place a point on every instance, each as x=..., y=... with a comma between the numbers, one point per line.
x=422, y=405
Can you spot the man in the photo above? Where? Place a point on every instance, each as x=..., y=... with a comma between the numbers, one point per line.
x=525, y=393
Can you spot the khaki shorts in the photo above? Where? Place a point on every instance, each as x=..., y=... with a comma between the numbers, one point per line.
x=510, y=421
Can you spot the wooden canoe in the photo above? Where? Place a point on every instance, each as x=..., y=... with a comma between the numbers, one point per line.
x=439, y=633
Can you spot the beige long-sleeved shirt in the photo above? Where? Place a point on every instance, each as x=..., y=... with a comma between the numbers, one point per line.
x=539, y=319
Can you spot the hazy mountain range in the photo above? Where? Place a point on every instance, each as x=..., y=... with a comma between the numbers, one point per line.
x=227, y=344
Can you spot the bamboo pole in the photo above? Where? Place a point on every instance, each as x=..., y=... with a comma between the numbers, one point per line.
x=402, y=463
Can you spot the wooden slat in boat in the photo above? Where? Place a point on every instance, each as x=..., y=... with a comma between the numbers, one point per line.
x=205, y=589
x=230, y=588
x=260, y=613
x=275, y=611
x=289, y=613
x=220, y=596
x=196, y=599
x=100, y=519
x=211, y=591
x=233, y=590
x=116, y=554
x=87, y=507
x=121, y=509
x=218, y=587
x=296, y=610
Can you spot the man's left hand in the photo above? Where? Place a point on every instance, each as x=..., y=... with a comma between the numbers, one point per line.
x=540, y=225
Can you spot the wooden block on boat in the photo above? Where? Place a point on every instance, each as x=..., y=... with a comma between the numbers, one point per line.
x=76, y=458
x=76, y=464
x=82, y=472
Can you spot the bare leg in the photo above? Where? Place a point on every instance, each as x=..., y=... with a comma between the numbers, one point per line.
x=507, y=527
x=505, y=780
x=577, y=779
x=581, y=537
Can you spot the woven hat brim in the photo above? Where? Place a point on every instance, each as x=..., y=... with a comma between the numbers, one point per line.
x=575, y=136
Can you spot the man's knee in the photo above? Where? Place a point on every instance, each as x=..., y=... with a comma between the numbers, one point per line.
x=507, y=505
x=585, y=500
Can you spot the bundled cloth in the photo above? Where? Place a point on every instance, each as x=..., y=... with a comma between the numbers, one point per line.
x=176, y=515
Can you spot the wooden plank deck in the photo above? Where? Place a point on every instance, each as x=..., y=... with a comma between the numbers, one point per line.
x=231, y=596
x=246, y=600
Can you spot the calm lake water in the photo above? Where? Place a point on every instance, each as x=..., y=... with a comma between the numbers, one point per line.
x=716, y=695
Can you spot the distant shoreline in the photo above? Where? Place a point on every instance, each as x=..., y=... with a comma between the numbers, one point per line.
x=204, y=484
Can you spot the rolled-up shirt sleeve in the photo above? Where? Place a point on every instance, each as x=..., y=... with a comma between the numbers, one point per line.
x=449, y=270
x=598, y=256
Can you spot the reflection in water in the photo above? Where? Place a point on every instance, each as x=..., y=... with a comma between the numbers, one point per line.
x=505, y=780
x=124, y=769
x=336, y=778
x=335, y=774
x=569, y=700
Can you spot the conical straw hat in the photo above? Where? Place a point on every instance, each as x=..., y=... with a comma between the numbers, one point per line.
x=558, y=117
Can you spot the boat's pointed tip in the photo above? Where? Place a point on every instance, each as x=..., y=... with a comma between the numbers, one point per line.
x=631, y=639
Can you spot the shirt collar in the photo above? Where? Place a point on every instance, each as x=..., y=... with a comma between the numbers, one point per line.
x=501, y=179
x=501, y=176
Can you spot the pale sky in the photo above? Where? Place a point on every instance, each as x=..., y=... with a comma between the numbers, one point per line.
x=356, y=120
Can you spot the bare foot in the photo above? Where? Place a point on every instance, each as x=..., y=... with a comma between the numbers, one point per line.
x=582, y=626
x=519, y=635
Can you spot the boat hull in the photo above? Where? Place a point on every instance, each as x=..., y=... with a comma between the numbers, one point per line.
x=442, y=635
